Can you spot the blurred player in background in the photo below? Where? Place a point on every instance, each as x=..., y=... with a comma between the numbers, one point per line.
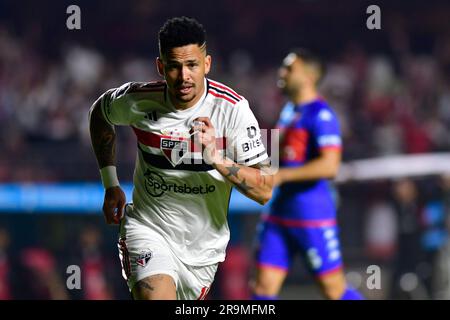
x=175, y=233
x=302, y=217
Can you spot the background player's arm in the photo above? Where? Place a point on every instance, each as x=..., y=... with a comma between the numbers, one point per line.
x=325, y=166
x=103, y=139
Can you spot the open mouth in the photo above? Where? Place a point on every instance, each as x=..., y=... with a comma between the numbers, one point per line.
x=185, y=89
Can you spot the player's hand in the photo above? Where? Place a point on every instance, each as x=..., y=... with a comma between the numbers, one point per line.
x=114, y=205
x=205, y=136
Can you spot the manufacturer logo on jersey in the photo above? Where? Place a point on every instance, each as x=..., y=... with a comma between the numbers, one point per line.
x=174, y=150
x=156, y=186
x=252, y=143
x=152, y=116
x=144, y=258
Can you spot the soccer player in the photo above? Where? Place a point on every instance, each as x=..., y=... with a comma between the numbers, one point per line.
x=302, y=216
x=193, y=138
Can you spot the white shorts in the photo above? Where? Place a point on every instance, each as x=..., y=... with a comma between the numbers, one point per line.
x=143, y=253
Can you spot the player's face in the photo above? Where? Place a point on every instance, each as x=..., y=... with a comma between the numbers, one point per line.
x=184, y=69
x=292, y=75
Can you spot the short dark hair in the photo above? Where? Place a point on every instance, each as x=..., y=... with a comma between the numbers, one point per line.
x=180, y=31
x=310, y=58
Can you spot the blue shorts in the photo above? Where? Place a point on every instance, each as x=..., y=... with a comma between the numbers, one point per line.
x=317, y=242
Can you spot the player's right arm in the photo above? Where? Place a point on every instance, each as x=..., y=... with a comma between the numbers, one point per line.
x=103, y=139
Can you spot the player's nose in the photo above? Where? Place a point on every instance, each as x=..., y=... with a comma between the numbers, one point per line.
x=185, y=73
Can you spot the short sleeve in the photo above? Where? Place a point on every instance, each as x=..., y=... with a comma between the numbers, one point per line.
x=244, y=141
x=326, y=129
x=115, y=107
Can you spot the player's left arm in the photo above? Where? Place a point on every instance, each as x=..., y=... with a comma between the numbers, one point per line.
x=256, y=181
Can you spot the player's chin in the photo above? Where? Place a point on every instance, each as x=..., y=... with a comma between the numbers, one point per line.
x=186, y=97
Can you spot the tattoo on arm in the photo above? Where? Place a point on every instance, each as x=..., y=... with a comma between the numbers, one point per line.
x=106, y=148
x=103, y=139
x=243, y=186
x=144, y=284
x=233, y=176
x=233, y=170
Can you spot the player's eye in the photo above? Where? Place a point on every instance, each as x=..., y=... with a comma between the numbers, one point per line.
x=172, y=66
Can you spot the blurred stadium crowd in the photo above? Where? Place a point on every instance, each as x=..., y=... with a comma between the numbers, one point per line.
x=390, y=87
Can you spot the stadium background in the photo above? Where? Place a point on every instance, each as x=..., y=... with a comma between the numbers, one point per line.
x=390, y=87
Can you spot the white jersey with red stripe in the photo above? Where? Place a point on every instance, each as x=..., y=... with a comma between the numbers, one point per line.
x=177, y=193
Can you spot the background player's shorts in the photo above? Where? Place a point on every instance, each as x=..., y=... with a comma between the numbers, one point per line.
x=143, y=253
x=318, y=245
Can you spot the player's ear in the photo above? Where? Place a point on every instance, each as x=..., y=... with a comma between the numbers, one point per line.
x=207, y=64
x=160, y=66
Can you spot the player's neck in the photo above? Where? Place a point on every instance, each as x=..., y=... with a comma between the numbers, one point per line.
x=304, y=96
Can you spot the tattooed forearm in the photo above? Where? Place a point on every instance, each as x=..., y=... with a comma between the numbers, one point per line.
x=144, y=284
x=105, y=147
x=232, y=175
x=103, y=138
x=256, y=182
x=233, y=170
x=243, y=186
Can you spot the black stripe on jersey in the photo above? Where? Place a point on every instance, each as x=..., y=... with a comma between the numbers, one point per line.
x=254, y=157
x=160, y=161
x=210, y=86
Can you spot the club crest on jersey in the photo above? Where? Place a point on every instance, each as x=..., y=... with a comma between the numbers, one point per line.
x=174, y=149
x=144, y=258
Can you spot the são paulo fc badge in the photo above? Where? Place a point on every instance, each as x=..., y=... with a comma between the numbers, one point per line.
x=174, y=149
x=144, y=257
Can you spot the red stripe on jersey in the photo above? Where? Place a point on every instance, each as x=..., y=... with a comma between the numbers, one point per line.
x=153, y=140
x=203, y=293
x=222, y=96
x=218, y=85
x=301, y=223
x=149, y=138
x=126, y=264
